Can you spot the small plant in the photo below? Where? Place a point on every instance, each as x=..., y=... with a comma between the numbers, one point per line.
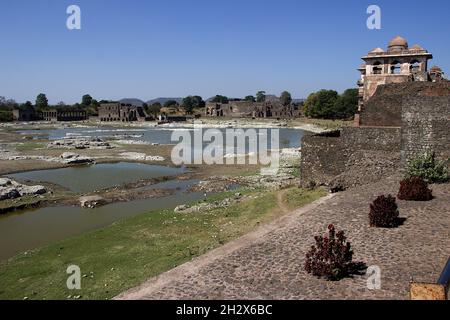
x=428, y=168
x=331, y=256
x=384, y=212
x=414, y=189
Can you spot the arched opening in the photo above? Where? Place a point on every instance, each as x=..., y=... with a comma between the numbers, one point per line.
x=415, y=66
x=377, y=68
x=396, y=67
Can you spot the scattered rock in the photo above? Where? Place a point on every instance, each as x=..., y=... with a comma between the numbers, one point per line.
x=182, y=207
x=91, y=201
x=10, y=189
x=79, y=143
x=4, y=182
x=73, y=158
x=8, y=193
x=140, y=156
x=31, y=190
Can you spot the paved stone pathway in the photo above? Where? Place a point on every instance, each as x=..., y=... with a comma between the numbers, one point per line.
x=268, y=263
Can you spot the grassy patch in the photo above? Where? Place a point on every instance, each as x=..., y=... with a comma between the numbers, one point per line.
x=28, y=146
x=325, y=123
x=26, y=200
x=298, y=197
x=130, y=251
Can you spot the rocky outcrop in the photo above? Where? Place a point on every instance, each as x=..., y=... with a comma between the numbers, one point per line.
x=10, y=189
x=91, y=201
x=80, y=143
x=73, y=158
x=140, y=156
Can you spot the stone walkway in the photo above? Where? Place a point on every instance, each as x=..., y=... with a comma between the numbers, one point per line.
x=268, y=263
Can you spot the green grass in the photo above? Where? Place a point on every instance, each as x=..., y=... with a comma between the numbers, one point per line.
x=130, y=251
x=297, y=197
x=28, y=146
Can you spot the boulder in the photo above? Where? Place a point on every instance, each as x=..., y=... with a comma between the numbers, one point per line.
x=80, y=143
x=181, y=207
x=91, y=201
x=8, y=193
x=4, y=182
x=31, y=190
x=73, y=158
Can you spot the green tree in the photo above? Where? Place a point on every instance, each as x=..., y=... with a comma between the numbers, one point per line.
x=220, y=99
x=346, y=104
x=192, y=102
x=260, y=96
x=95, y=103
x=41, y=101
x=250, y=99
x=188, y=104
x=285, y=98
x=170, y=103
x=86, y=100
x=321, y=104
x=6, y=116
x=198, y=102
x=26, y=106
x=154, y=109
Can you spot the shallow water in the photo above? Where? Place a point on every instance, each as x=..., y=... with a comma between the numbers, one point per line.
x=23, y=231
x=85, y=179
x=289, y=138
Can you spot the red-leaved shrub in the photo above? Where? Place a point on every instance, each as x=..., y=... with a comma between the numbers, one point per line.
x=331, y=256
x=384, y=212
x=414, y=189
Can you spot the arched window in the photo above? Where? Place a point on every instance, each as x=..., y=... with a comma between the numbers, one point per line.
x=415, y=66
x=377, y=68
x=396, y=67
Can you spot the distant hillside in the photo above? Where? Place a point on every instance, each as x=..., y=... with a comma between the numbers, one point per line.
x=164, y=100
x=132, y=101
x=298, y=101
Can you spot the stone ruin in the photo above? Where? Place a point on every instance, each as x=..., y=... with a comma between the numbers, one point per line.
x=271, y=108
x=398, y=122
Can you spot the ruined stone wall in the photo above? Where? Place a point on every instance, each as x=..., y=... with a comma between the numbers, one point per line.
x=372, y=138
x=384, y=109
x=322, y=159
x=408, y=119
x=426, y=123
x=359, y=154
x=372, y=82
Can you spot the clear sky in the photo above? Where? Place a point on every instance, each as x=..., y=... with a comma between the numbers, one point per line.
x=159, y=48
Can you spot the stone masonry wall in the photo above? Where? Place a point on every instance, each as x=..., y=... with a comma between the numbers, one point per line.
x=426, y=126
x=406, y=120
x=324, y=157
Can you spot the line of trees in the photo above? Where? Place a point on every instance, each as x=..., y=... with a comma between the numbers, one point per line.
x=324, y=104
x=87, y=103
x=328, y=104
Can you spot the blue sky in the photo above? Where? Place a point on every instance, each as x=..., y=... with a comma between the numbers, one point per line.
x=148, y=49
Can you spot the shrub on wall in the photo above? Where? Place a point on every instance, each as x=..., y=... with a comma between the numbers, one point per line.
x=331, y=256
x=384, y=212
x=428, y=168
x=414, y=189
